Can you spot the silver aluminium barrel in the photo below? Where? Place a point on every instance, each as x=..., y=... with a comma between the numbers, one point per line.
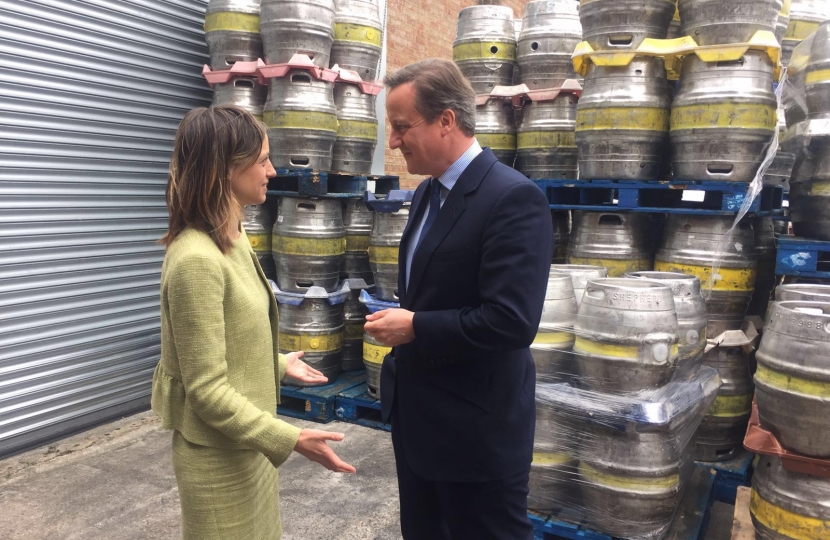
x=723, y=118
x=696, y=245
x=550, y=33
x=373, y=354
x=551, y=348
x=302, y=121
x=384, y=244
x=245, y=92
x=618, y=241
x=624, y=24
x=258, y=220
x=546, y=142
x=554, y=482
x=485, y=46
x=782, y=22
x=357, y=130
x=496, y=129
x=713, y=22
x=561, y=235
x=810, y=189
x=805, y=18
x=626, y=336
x=691, y=315
x=805, y=292
x=358, y=37
x=289, y=27
x=793, y=377
x=788, y=505
x=308, y=243
x=580, y=275
x=818, y=73
x=313, y=324
x=622, y=121
x=232, y=32
x=721, y=434
x=354, y=317
x=357, y=220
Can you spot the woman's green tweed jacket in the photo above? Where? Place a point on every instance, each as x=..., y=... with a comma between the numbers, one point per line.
x=218, y=379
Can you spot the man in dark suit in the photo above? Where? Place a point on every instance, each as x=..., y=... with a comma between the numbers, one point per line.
x=473, y=267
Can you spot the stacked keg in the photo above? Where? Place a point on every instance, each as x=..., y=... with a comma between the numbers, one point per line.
x=551, y=349
x=308, y=245
x=722, y=258
x=545, y=144
x=384, y=245
x=580, y=274
x=485, y=51
x=485, y=46
x=622, y=120
x=618, y=241
x=690, y=308
x=809, y=139
x=258, y=220
x=724, y=113
x=803, y=19
x=358, y=40
x=312, y=122
x=791, y=383
x=232, y=35
x=625, y=353
x=786, y=504
x=232, y=32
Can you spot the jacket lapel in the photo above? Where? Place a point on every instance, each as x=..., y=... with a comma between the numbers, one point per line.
x=450, y=212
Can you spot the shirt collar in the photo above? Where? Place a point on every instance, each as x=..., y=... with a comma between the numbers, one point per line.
x=451, y=175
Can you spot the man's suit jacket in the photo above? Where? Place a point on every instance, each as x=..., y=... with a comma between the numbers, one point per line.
x=465, y=387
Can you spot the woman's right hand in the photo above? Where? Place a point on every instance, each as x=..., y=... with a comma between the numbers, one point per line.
x=312, y=445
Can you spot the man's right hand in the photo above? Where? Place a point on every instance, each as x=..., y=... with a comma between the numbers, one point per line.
x=312, y=445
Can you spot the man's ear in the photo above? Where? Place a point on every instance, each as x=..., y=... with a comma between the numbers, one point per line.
x=447, y=120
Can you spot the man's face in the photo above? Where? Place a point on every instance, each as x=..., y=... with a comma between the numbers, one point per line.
x=419, y=141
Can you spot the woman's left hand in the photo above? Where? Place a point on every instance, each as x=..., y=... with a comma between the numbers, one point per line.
x=297, y=370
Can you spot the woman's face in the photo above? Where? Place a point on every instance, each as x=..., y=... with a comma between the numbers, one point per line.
x=249, y=185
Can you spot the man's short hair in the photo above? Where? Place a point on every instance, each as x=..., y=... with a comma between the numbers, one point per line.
x=439, y=85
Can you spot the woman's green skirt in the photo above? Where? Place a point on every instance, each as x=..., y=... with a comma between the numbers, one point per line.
x=226, y=494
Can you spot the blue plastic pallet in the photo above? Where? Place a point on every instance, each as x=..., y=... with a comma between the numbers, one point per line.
x=721, y=198
x=802, y=257
x=690, y=522
x=356, y=406
x=311, y=183
x=731, y=474
x=316, y=403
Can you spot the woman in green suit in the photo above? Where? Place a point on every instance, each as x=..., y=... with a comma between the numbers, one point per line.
x=217, y=384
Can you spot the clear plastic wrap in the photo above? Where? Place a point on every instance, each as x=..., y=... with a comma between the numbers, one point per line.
x=615, y=418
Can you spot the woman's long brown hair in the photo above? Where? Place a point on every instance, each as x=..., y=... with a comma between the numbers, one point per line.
x=210, y=144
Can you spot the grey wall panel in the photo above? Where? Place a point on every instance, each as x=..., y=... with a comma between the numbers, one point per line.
x=91, y=93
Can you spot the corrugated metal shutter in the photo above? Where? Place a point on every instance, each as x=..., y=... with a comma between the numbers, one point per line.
x=91, y=92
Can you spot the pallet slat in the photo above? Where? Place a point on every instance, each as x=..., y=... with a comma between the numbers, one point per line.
x=802, y=257
x=720, y=198
x=731, y=475
x=356, y=406
x=317, y=403
x=310, y=183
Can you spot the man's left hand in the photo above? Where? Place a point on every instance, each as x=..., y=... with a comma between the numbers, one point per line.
x=297, y=370
x=391, y=327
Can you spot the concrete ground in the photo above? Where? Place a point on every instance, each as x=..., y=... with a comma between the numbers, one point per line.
x=115, y=482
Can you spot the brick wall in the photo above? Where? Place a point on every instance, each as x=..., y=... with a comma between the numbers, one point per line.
x=419, y=29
